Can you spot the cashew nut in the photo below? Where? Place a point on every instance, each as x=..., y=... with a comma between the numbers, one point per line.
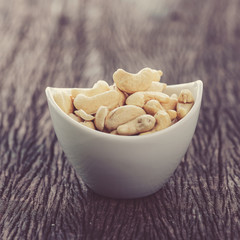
x=152, y=107
x=88, y=124
x=85, y=116
x=185, y=96
x=183, y=109
x=99, y=87
x=140, y=81
x=90, y=105
x=74, y=117
x=172, y=114
x=140, y=98
x=163, y=121
x=140, y=124
x=121, y=115
x=114, y=132
x=100, y=117
x=171, y=105
x=157, y=87
x=122, y=95
x=145, y=133
x=64, y=101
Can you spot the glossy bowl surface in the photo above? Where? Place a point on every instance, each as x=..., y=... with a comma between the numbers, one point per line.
x=125, y=166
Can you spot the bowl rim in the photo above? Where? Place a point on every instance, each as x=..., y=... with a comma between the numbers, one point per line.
x=197, y=103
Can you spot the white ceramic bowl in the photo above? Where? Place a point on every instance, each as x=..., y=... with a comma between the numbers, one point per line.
x=126, y=166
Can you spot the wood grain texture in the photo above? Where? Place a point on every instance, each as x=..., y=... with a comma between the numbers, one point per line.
x=74, y=43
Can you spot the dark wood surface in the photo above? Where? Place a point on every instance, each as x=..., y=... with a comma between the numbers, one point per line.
x=75, y=43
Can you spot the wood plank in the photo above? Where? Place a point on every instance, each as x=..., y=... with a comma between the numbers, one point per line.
x=76, y=43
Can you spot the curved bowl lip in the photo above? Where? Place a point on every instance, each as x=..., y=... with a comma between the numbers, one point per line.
x=95, y=133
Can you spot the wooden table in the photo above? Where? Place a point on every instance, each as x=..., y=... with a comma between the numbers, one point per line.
x=75, y=43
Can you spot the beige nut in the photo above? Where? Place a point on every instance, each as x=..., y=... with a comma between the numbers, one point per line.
x=90, y=105
x=99, y=87
x=138, y=125
x=114, y=132
x=88, y=124
x=157, y=87
x=172, y=114
x=145, y=133
x=74, y=117
x=152, y=107
x=64, y=101
x=121, y=115
x=100, y=117
x=183, y=109
x=130, y=83
x=163, y=120
x=123, y=95
x=140, y=98
x=171, y=105
x=185, y=96
x=85, y=116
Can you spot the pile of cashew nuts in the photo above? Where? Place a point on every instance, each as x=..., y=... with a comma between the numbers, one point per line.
x=134, y=105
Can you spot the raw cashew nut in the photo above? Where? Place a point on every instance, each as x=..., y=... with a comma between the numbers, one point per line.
x=185, y=96
x=152, y=107
x=85, y=116
x=183, y=109
x=121, y=115
x=130, y=83
x=114, y=132
x=74, y=117
x=171, y=105
x=88, y=124
x=172, y=114
x=99, y=87
x=140, y=98
x=100, y=117
x=163, y=121
x=157, y=87
x=140, y=124
x=64, y=101
x=90, y=105
x=123, y=95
